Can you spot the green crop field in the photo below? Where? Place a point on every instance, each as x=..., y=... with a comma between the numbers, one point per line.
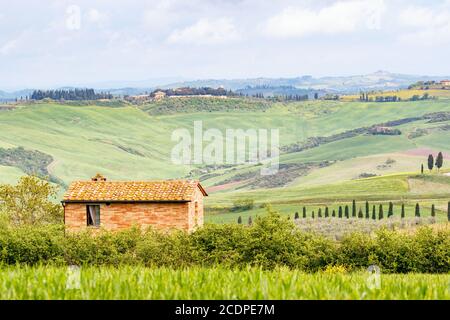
x=91, y=283
x=128, y=142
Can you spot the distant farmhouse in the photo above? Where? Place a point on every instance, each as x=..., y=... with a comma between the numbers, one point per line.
x=445, y=83
x=159, y=95
x=115, y=205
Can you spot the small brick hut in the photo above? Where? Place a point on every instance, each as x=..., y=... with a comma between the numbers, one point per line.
x=115, y=205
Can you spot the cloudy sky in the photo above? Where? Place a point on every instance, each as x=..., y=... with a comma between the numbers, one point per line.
x=54, y=43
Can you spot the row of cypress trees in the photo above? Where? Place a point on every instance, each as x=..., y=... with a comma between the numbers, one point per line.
x=345, y=212
x=369, y=214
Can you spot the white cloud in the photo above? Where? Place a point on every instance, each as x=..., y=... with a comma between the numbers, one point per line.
x=339, y=17
x=16, y=43
x=159, y=17
x=206, y=31
x=428, y=26
x=417, y=17
x=162, y=16
x=95, y=16
x=8, y=47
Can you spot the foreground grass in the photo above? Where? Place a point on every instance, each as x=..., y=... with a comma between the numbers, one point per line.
x=213, y=283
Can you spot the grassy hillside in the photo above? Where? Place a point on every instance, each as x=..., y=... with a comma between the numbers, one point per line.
x=127, y=142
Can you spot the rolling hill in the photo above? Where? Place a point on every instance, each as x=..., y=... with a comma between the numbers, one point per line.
x=329, y=154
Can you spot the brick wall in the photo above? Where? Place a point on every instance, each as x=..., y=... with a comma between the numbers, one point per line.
x=163, y=216
x=196, y=211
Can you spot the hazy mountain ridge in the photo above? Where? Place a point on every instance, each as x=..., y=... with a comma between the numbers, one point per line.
x=380, y=80
x=375, y=81
x=9, y=96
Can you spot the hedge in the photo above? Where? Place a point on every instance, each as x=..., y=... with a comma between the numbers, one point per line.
x=270, y=242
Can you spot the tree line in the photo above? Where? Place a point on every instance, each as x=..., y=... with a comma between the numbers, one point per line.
x=374, y=213
x=364, y=96
x=75, y=94
x=426, y=85
x=290, y=97
x=188, y=91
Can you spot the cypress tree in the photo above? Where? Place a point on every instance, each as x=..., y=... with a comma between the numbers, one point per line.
x=421, y=169
x=374, y=213
x=327, y=214
x=312, y=215
x=367, y=210
x=360, y=214
x=296, y=215
x=320, y=213
x=346, y=212
x=239, y=220
x=340, y=212
x=354, y=209
x=430, y=162
x=403, y=210
x=304, y=212
x=250, y=221
x=334, y=212
x=391, y=210
x=380, y=212
x=433, y=210
x=439, y=160
x=417, y=210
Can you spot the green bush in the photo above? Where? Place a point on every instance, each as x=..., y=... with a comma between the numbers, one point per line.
x=102, y=248
x=243, y=204
x=425, y=251
x=434, y=248
x=220, y=244
x=31, y=245
x=270, y=243
x=396, y=252
x=356, y=251
x=159, y=249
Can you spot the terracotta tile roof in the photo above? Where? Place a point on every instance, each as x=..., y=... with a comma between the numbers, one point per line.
x=132, y=191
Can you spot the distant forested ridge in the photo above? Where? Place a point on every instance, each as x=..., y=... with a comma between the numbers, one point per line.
x=76, y=94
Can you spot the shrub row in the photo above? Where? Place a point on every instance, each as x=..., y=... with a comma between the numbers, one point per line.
x=270, y=242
